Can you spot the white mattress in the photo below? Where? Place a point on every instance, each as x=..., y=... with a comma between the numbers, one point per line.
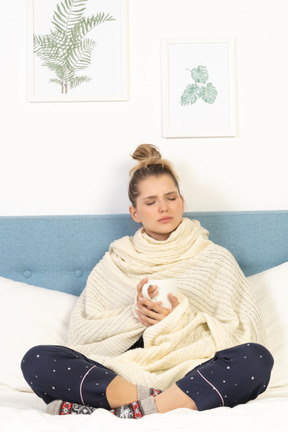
x=21, y=412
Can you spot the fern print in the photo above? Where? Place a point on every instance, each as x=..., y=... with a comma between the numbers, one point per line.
x=67, y=49
x=199, y=89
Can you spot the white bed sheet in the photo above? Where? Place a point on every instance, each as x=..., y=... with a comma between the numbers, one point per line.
x=25, y=412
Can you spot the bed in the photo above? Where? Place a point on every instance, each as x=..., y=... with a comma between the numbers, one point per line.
x=44, y=264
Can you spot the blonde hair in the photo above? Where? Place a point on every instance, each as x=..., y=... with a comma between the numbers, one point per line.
x=150, y=163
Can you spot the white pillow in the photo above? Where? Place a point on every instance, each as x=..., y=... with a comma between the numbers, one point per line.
x=271, y=289
x=29, y=316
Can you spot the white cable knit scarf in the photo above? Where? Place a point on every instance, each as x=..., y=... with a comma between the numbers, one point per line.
x=217, y=309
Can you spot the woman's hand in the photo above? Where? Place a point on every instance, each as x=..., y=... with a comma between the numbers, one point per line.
x=151, y=313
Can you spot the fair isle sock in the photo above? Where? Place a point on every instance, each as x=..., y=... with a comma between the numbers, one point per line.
x=155, y=392
x=142, y=392
x=148, y=405
x=145, y=392
x=54, y=407
x=137, y=409
x=59, y=407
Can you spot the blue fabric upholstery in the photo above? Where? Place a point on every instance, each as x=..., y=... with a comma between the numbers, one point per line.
x=58, y=252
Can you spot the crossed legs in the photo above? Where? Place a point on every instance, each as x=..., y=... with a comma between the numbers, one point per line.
x=120, y=392
x=235, y=375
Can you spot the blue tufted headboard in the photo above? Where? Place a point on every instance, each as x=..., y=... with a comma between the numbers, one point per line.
x=58, y=252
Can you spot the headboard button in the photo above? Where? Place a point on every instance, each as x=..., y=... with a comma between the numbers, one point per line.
x=27, y=274
x=79, y=273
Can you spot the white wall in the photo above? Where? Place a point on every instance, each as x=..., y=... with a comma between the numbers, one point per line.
x=73, y=158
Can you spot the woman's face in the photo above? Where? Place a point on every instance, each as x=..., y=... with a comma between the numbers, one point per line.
x=159, y=207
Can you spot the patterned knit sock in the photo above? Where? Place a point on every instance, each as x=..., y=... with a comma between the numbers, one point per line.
x=137, y=409
x=145, y=405
x=145, y=392
x=59, y=407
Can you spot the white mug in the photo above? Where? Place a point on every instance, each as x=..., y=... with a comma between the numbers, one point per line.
x=164, y=287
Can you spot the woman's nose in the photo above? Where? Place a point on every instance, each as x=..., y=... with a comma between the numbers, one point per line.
x=162, y=206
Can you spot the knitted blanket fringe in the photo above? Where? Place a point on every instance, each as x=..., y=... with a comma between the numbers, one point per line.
x=217, y=308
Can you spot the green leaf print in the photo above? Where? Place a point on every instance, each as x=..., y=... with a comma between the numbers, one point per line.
x=199, y=89
x=209, y=93
x=200, y=74
x=66, y=49
x=191, y=94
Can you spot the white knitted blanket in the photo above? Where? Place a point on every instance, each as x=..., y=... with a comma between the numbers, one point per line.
x=217, y=309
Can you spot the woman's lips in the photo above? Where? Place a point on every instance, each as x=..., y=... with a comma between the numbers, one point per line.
x=165, y=219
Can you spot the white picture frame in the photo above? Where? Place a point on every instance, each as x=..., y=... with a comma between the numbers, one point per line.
x=198, y=87
x=97, y=63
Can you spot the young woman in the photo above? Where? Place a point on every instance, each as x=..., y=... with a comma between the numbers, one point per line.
x=134, y=357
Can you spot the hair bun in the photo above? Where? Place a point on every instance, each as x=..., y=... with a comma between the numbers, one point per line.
x=150, y=163
x=147, y=154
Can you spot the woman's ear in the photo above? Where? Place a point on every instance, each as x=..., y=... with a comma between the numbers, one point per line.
x=183, y=202
x=133, y=213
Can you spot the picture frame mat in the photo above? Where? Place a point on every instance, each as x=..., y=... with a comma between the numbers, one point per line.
x=122, y=92
x=169, y=84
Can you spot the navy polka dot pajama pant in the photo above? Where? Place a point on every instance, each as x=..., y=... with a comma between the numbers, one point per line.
x=233, y=376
